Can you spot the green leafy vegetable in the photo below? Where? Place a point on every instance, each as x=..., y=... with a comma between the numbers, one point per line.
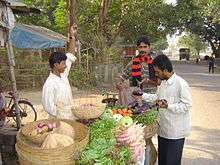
x=147, y=117
x=102, y=148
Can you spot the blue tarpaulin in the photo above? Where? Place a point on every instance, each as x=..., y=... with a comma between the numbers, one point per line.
x=35, y=37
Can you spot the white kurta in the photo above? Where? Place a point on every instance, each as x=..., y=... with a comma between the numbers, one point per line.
x=175, y=120
x=57, y=95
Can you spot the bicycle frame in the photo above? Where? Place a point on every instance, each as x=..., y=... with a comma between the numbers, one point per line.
x=12, y=113
x=11, y=101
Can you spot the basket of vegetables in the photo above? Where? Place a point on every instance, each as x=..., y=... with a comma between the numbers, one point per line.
x=37, y=131
x=149, y=119
x=88, y=111
x=57, y=150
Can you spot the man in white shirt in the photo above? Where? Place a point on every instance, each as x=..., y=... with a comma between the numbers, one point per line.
x=174, y=100
x=57, y=94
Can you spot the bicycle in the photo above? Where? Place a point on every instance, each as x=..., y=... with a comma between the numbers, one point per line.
x=26, y=109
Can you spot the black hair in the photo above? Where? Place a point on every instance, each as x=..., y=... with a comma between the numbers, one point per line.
x=143, y=39
x=163, y=62
x=56, y=57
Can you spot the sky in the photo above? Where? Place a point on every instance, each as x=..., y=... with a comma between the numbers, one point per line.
x=170, y=1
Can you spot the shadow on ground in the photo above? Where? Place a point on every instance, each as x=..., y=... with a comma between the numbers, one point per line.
x=203, y=148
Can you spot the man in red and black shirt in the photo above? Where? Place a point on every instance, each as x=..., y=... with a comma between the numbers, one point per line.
x=139, y=71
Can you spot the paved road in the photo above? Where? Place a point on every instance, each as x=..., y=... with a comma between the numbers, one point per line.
x=203, y=145
x=198, y=76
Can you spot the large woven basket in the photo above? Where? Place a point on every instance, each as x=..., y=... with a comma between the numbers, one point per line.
x=150, y=130
x=88, y=113
x=38, y=139
x=30, y=153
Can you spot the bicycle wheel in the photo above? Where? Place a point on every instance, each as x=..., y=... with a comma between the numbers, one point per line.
x=27, y=111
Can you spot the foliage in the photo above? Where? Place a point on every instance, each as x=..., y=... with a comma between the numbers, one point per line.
x=61, y=18
x=160, y=44
x=45, y=19
x=201, y=18
x=193, y=42
x=81, y=79
x=125, y=18
x=125, y=21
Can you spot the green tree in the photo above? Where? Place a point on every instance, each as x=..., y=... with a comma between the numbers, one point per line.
x=201, y=18
x=193, y=42
x=107, y=21
x=160, y=44
x=46, y=18
x=61, y=18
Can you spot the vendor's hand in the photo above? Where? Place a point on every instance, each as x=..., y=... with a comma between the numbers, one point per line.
x=162, y=103
x=119, y=86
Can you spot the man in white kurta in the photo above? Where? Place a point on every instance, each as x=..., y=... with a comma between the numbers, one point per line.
x=174, y=100
x=57, y=95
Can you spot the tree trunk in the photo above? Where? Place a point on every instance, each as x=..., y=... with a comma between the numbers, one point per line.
x=103, y=15
x=71, y=44
x=215, y=49
x=217, y=52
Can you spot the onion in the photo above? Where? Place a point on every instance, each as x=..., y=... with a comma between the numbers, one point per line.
x=41, y=125
x=54, y=125
x=50, y=126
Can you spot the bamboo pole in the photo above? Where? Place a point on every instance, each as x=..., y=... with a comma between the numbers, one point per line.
x=11, y=62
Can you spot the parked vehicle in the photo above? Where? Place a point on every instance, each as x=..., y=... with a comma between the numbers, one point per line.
x=184, y=53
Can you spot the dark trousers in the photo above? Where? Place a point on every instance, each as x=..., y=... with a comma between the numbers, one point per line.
x=170, y=151
x=211, y=67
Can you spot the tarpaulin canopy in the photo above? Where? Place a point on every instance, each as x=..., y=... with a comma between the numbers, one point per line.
x=35, y=37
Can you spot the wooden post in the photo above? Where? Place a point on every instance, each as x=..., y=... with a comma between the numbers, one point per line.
x=11, y=63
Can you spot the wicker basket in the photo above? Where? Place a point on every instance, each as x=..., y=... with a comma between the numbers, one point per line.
x=30, y=154
x=151, y=130
x=94, y=113
x=38, y=139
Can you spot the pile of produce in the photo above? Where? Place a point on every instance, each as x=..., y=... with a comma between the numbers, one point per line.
x=102, y=147
x=133, y=136
x=43, y=128
x=122, y=110
x=53, y=135
x=113, y=141
x=146, y=118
